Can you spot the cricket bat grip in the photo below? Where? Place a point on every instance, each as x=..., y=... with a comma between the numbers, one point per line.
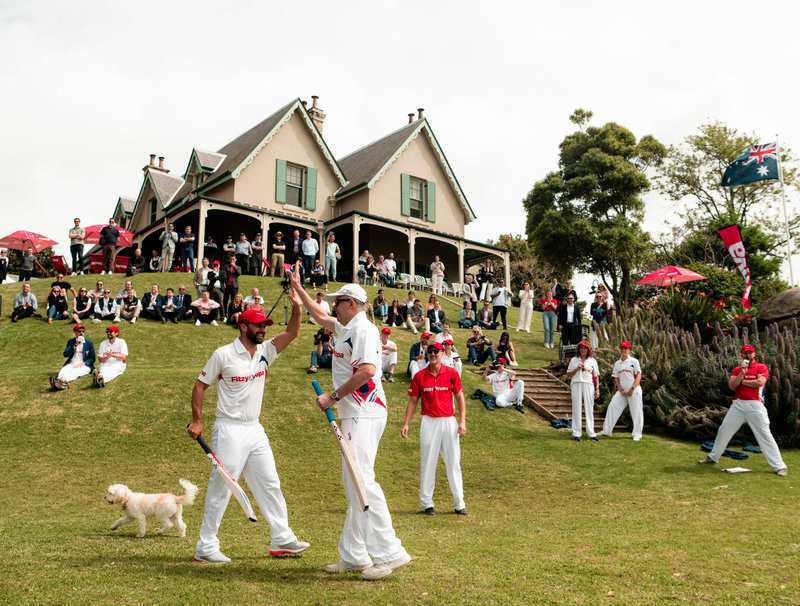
x=203, y=445
x=318, y=390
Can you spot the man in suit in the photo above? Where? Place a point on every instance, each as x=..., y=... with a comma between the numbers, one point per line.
x=151, y=304
x=485, y=317
x=436, y=318
x=171, y=306
x=78, y=359
x=569, y=321
x=184, y=304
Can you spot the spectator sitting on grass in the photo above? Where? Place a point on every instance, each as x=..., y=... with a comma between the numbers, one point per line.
x=205, y=310
x=436, y=318
x=388, y=354
x=445, y=334
x=507, y=391
x=79, y=359
x=63, y=284
x=136, y=263
x=97, y=293
x=380, y=308
x=466, y=317
x=25, y=304
x=185, y=303
x=254, y=300
x=505, y=348
x=450, y=356
x=417, y=356
x=128, y=307
x=57, y=306
x=155, y=261
x=320, y=300
x=485, y=317
x=322, y=355
x=397, y=314
x=318, y=276
x=235, y=308
x=416, y=319
x=82, y=306
x=113, y=356
x=151, y=304
x=171, y=307
x=479, y=348
x=105, y=308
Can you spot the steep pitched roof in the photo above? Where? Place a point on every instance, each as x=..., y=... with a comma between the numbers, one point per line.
x=209, y=160
x=165, y=185
x=127, y=204
x=366, y=165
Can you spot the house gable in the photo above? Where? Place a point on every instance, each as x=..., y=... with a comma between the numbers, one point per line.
x=158, y=185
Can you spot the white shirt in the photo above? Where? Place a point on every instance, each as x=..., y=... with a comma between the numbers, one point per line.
x=501, y=382
x=309, y=246
x=77, y=357
x=453, y=361
x=526, y=298
x=388, y=350
x=391, y=265
x=240, y=379
x=440, y=338
x=625, y=372
x=501, y=296
x=118, y=346
x=331, y=248
x=570, y=314
x=355, y=344
x=590, y=369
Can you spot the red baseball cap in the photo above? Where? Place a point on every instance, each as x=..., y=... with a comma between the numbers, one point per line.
x=501, y=360
x=435, y=345
x=78, y=326
x=216, y=263
x=113, y=329
x=625, y=345
x=748, y=348
x=425, y=335
x=447, y=342
x=255, y=316
x=386, y=330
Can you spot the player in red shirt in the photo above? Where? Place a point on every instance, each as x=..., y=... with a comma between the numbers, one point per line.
x=748, y=380
x=436, y=385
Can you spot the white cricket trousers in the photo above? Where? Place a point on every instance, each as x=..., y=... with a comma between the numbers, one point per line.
x=439, y=434
x=367, y=536
x=511, y=396
x=754, y=413
x=436, y=283
x=617, y=406
x=387, y=361
x=582, y=397
x=70, y=373
x=243, y=447
x=111, y=370
x=525, y=316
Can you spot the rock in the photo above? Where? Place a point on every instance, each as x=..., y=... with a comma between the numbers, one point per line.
x=783, y=306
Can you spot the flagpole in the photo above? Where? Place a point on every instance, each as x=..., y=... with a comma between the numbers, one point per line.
x=785, y=214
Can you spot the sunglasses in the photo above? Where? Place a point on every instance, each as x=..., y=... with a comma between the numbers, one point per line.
x=335, y=303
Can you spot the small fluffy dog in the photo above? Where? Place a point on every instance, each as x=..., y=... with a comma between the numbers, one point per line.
x=137, y=506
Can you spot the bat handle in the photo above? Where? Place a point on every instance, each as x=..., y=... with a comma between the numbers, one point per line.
x=318, y=390
x=203, y=445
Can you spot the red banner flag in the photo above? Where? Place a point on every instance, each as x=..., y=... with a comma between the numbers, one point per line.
x=732, y=239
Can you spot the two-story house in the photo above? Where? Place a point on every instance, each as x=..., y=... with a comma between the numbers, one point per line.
x=398, y=194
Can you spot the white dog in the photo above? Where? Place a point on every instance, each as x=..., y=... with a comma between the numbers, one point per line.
x=166, y=507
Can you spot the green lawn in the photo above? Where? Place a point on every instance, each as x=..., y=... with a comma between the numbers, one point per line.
x=551, y=521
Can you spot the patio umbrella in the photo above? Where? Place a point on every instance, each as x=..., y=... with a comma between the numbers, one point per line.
x=669, y=275
x=93, y=236
x=22, y=239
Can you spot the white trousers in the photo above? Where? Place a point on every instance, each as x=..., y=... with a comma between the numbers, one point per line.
x=511, y=396
x=415, y=367
x=436, y=283
x=617, y=406
x=243, y=448
x=754, y=413
x=525, y=316
x=111, y=370
x=387, y=361
x=582, y=396
x=367, y=536
x=439, y=435
x=69, y=372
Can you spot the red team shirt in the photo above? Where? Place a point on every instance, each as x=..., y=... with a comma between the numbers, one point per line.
x=755, y=370
x=436, y=391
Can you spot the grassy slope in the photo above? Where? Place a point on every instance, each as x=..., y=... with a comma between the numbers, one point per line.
x=552, y=521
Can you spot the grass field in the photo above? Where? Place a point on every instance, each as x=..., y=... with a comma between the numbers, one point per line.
x=551, y=521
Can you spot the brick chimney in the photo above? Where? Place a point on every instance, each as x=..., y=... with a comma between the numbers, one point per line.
x=316, y=114
x=153, y=166
x=420, y=110
x=152, y=159
x=410, y=117
x=161, y=163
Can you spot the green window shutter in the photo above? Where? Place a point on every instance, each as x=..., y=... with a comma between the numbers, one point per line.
x=405, y=194
x=280, y=181
x=430, y=202
x=311, y=188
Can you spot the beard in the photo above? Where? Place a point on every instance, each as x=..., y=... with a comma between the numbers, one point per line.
x=255, y=336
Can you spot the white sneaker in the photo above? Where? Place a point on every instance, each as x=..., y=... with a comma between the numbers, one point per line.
x=783, y=472
x=637, y=438
x=340, y=567
x=214, y=323
x=395, y=564
x=294, y=548
x=96, y=320
x=215, y=558
x=116, y=320
x=133, y=321
x=197, y=323
x=375, y=573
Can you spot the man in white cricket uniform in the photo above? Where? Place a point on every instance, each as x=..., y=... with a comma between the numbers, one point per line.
x=388, y=354
x=627, y=375
x=436, y=385
x=240, y=371
x=450, y=356
x=113, y=356
x=507, y=391
x=368, y=543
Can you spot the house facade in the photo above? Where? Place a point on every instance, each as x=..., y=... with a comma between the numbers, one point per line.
x=397, y=194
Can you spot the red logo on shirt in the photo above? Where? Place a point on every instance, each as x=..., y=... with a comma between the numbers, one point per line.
x=245, y=379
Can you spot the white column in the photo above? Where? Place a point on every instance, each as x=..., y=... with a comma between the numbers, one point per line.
x=460, y=278
x=412, y=239
x=507, y=261
x=356, y=248
x=201, y=232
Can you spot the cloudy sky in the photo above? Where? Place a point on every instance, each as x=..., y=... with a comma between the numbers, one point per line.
x=89, y=89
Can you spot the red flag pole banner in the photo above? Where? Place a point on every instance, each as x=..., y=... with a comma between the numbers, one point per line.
x=732, y=239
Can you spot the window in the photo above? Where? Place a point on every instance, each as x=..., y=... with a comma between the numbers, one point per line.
x=153, y=210
x=417, y=198
x=295, y=184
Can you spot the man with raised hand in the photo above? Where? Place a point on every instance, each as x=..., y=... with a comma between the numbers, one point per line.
x=436, y=385
x=368, y=543
x=627, y=375
x=240, y=371
x=748, y=380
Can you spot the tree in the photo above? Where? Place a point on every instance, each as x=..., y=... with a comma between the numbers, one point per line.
x=587, y=215
x=524, y=265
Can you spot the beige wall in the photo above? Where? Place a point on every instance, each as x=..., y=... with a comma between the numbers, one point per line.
x=418, y=160
x=141, y=217
x=294, y=143
x=358, y=201
x=223, y=192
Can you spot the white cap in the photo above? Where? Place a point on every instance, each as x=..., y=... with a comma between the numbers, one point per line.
x=351, y=291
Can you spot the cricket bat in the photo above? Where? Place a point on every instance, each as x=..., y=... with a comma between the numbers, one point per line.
x=347, y=453
x=233, y=486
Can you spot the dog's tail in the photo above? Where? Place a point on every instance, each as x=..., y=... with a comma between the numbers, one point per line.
x=191, y=493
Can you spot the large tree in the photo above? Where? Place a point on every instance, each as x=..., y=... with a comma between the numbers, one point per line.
x=525, y=267
x=587, y=215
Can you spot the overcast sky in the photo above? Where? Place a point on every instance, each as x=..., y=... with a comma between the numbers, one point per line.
x=90, y=89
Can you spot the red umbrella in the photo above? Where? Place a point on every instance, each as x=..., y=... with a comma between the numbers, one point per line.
x=669, y=275
x=22, y=239
x=93, y=235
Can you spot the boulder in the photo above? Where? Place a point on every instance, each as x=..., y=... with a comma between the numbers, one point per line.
x=783, y=306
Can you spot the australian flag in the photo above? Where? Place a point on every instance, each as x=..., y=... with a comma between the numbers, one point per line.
x=757, y=163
